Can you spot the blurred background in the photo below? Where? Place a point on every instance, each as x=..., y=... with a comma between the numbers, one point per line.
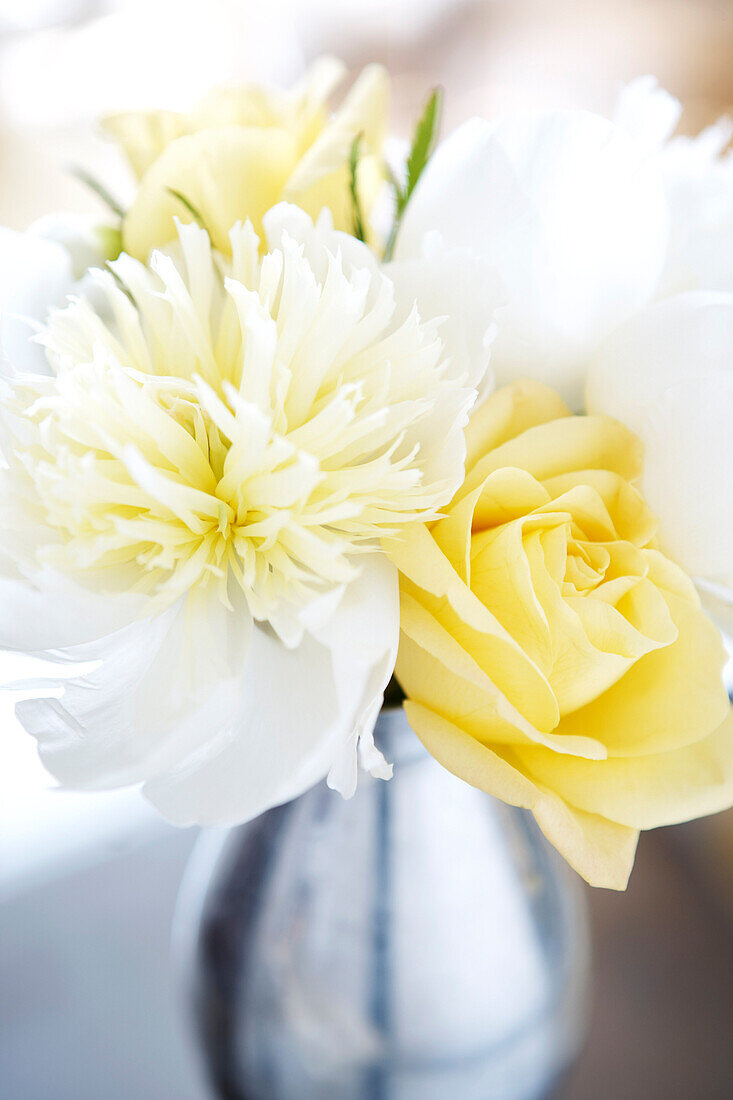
x=88, y=999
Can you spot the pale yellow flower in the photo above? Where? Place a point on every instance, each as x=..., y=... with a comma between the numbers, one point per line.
x=551, y=655
x=193, y=488
x=243, y=149
x=261, y=424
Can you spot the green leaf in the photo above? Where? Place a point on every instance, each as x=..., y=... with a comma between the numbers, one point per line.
x=424, y=140
x=98, y=188
x=120, y=282
x=392, y=180
x=109, y=240
x=195, y=214
x=354, y=189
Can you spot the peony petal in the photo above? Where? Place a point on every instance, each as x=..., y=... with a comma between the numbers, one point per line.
x=363, y=635
x=668, y=375
x=298, y=711
x=647, y=112
x=144, y=135
x=83, y=237
x=52, y=612
x=363, y=113
x=718, y=602
x=459, y=287
x=227, y=174
x=556, y=203
x=278, y=738
x=162, y=689
x=35, y=274
x=217, y=717
x=698, y=179
x=438, y=431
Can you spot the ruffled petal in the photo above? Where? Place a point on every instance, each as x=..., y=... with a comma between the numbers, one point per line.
x=300, y=712
x=217, y=717
x=671, y=697
x=362, y=635
x=463, y=290
x=455, y=653
x=461, y=338
x=158, y=691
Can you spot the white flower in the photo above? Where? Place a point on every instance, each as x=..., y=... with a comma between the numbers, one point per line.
x=647, y=113
x=697, y=174
x=668, y=375
x=569, y=210
x=38, y=270
x=193, y=502
x=34, y=274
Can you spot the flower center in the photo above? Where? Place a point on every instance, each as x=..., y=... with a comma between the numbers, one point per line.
x=261, y=429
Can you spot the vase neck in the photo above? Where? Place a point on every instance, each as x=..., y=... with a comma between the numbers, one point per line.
x=395, y=738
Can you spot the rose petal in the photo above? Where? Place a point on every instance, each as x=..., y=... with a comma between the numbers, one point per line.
x=598, y=849
x=646, y=791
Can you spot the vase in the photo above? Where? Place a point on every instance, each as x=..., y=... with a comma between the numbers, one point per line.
x=420, y=941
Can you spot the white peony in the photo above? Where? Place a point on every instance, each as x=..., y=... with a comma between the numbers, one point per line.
x=38, y=270
x=697, y=176
x=570, y=212
x=193, y=501
x=668, y=372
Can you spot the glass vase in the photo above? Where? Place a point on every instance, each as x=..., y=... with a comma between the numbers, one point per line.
x=420, y=941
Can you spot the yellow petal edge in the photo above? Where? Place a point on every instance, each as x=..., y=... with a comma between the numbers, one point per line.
x=551, y=654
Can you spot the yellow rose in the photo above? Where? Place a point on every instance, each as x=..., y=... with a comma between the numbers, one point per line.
x=243, y=149
x=550, y=653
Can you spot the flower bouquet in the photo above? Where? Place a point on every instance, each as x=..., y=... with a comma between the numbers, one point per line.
x=301, y=426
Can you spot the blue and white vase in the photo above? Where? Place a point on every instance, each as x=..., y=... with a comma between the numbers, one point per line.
x=421, y=941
